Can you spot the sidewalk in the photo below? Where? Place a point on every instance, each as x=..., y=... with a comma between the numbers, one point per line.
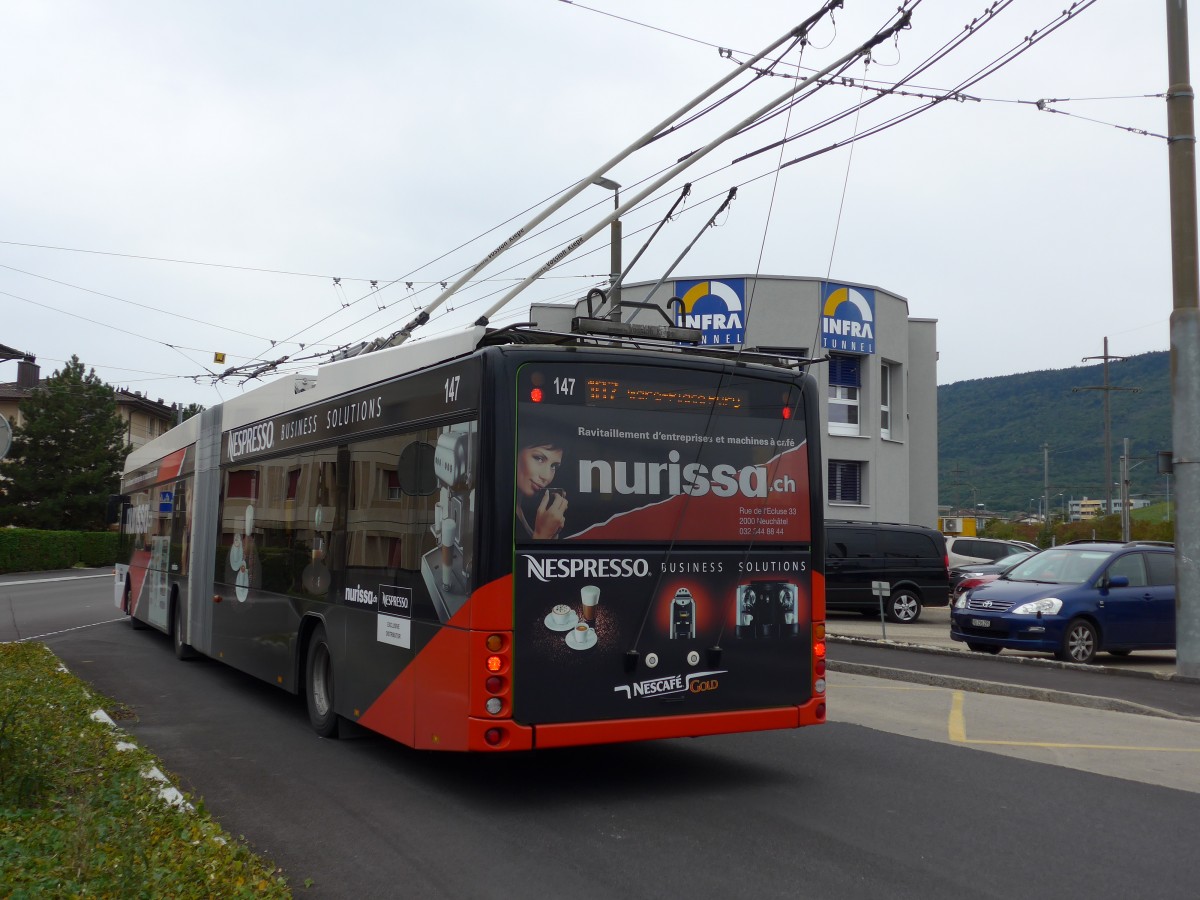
x=1144, y=683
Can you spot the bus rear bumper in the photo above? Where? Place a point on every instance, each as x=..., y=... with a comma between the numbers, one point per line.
x=612, y=731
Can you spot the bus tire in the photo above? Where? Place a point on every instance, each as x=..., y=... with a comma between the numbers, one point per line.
x=127, y=606
x=318, y=685
x=183, y=650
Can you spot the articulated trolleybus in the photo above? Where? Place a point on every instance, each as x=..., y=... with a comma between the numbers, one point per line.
x=499, y=541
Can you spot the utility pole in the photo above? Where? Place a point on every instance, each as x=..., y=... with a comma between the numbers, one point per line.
x=1185, y=341
x=1125, y=492
x=1046, y=488
x=1107, y=388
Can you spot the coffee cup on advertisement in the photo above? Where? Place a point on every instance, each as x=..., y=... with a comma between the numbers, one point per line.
x=581, y=633
x=447, y=550
x=590, y=595
x=561, y=614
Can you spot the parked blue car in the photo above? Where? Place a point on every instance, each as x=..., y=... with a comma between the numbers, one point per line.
x=1075, y=601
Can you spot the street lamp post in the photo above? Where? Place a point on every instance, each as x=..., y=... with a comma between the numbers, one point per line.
x=614, y=249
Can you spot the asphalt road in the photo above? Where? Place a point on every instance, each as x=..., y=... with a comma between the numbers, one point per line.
x=911, y=790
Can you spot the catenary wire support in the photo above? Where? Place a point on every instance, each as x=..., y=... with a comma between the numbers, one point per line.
x=693, y=158
x=799, y=32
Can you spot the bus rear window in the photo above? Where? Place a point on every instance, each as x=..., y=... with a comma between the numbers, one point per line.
x=658, y=456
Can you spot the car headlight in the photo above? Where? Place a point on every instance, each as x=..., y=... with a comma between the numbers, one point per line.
x=961, y=602
x=1047, y=606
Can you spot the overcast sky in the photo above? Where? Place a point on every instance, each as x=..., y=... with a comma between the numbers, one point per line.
x=187, y=178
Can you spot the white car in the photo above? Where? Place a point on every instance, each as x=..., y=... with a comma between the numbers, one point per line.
x=965, y=551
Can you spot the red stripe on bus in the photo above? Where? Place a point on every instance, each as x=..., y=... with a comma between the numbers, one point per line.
x=169, y=465
x=137, y=577
x=427, y=705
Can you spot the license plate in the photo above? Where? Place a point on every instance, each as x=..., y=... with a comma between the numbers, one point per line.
x=981, y=623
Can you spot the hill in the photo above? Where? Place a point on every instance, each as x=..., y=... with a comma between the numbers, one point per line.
x=991, y=432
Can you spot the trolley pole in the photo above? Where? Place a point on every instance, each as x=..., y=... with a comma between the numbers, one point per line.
x=1185, y=341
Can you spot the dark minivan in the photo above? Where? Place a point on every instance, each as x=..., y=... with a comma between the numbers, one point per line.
x=910, y=558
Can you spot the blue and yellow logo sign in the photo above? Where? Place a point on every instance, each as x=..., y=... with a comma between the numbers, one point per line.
x=847, y=319
x=717, y=308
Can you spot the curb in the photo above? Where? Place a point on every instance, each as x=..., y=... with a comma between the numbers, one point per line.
x=167, y=792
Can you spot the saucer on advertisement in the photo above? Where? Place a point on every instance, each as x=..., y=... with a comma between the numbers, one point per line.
x=571, y=622
x=577, y=645
x=242, y=585
x=235, y=555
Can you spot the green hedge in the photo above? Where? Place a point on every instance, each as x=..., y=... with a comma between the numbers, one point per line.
x=30, y=550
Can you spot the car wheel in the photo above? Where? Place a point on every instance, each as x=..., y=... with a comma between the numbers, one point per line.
x=1080, y=642
x=989, y=649
x=903, y=606
x=318, y=685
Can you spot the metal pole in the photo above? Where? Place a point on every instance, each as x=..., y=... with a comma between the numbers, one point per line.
x=1125, y=492
x=1046, y=487
x=671, y=268
x=1107, y=432
x=1185, y=341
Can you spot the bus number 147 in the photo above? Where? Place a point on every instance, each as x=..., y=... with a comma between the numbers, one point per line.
x=452, y=389
x=564, y=386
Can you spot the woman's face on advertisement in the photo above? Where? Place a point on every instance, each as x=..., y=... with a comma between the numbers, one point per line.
x=536, y=468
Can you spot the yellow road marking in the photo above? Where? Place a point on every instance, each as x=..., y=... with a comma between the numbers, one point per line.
x=957, y=729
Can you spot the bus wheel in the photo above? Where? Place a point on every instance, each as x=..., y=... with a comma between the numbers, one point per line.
x=318, y=685
x=127, y=606
x=182, y=650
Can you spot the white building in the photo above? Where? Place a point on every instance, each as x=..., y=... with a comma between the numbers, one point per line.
x=879, y=375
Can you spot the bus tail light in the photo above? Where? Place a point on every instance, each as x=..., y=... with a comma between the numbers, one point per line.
x=819, y=663
x=496, y=683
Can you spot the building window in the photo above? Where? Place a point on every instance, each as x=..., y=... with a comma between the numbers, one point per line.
x=885, y=400
x=845, y=481
x=293, y=484
x=393, y=485
x=844, y=386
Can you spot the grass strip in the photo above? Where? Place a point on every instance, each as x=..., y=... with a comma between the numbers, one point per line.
x=79, y=816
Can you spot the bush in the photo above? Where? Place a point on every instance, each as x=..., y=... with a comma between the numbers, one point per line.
x=31, y=550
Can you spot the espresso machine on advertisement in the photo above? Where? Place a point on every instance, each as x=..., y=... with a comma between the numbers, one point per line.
x=767, y=609
x=447, y=567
